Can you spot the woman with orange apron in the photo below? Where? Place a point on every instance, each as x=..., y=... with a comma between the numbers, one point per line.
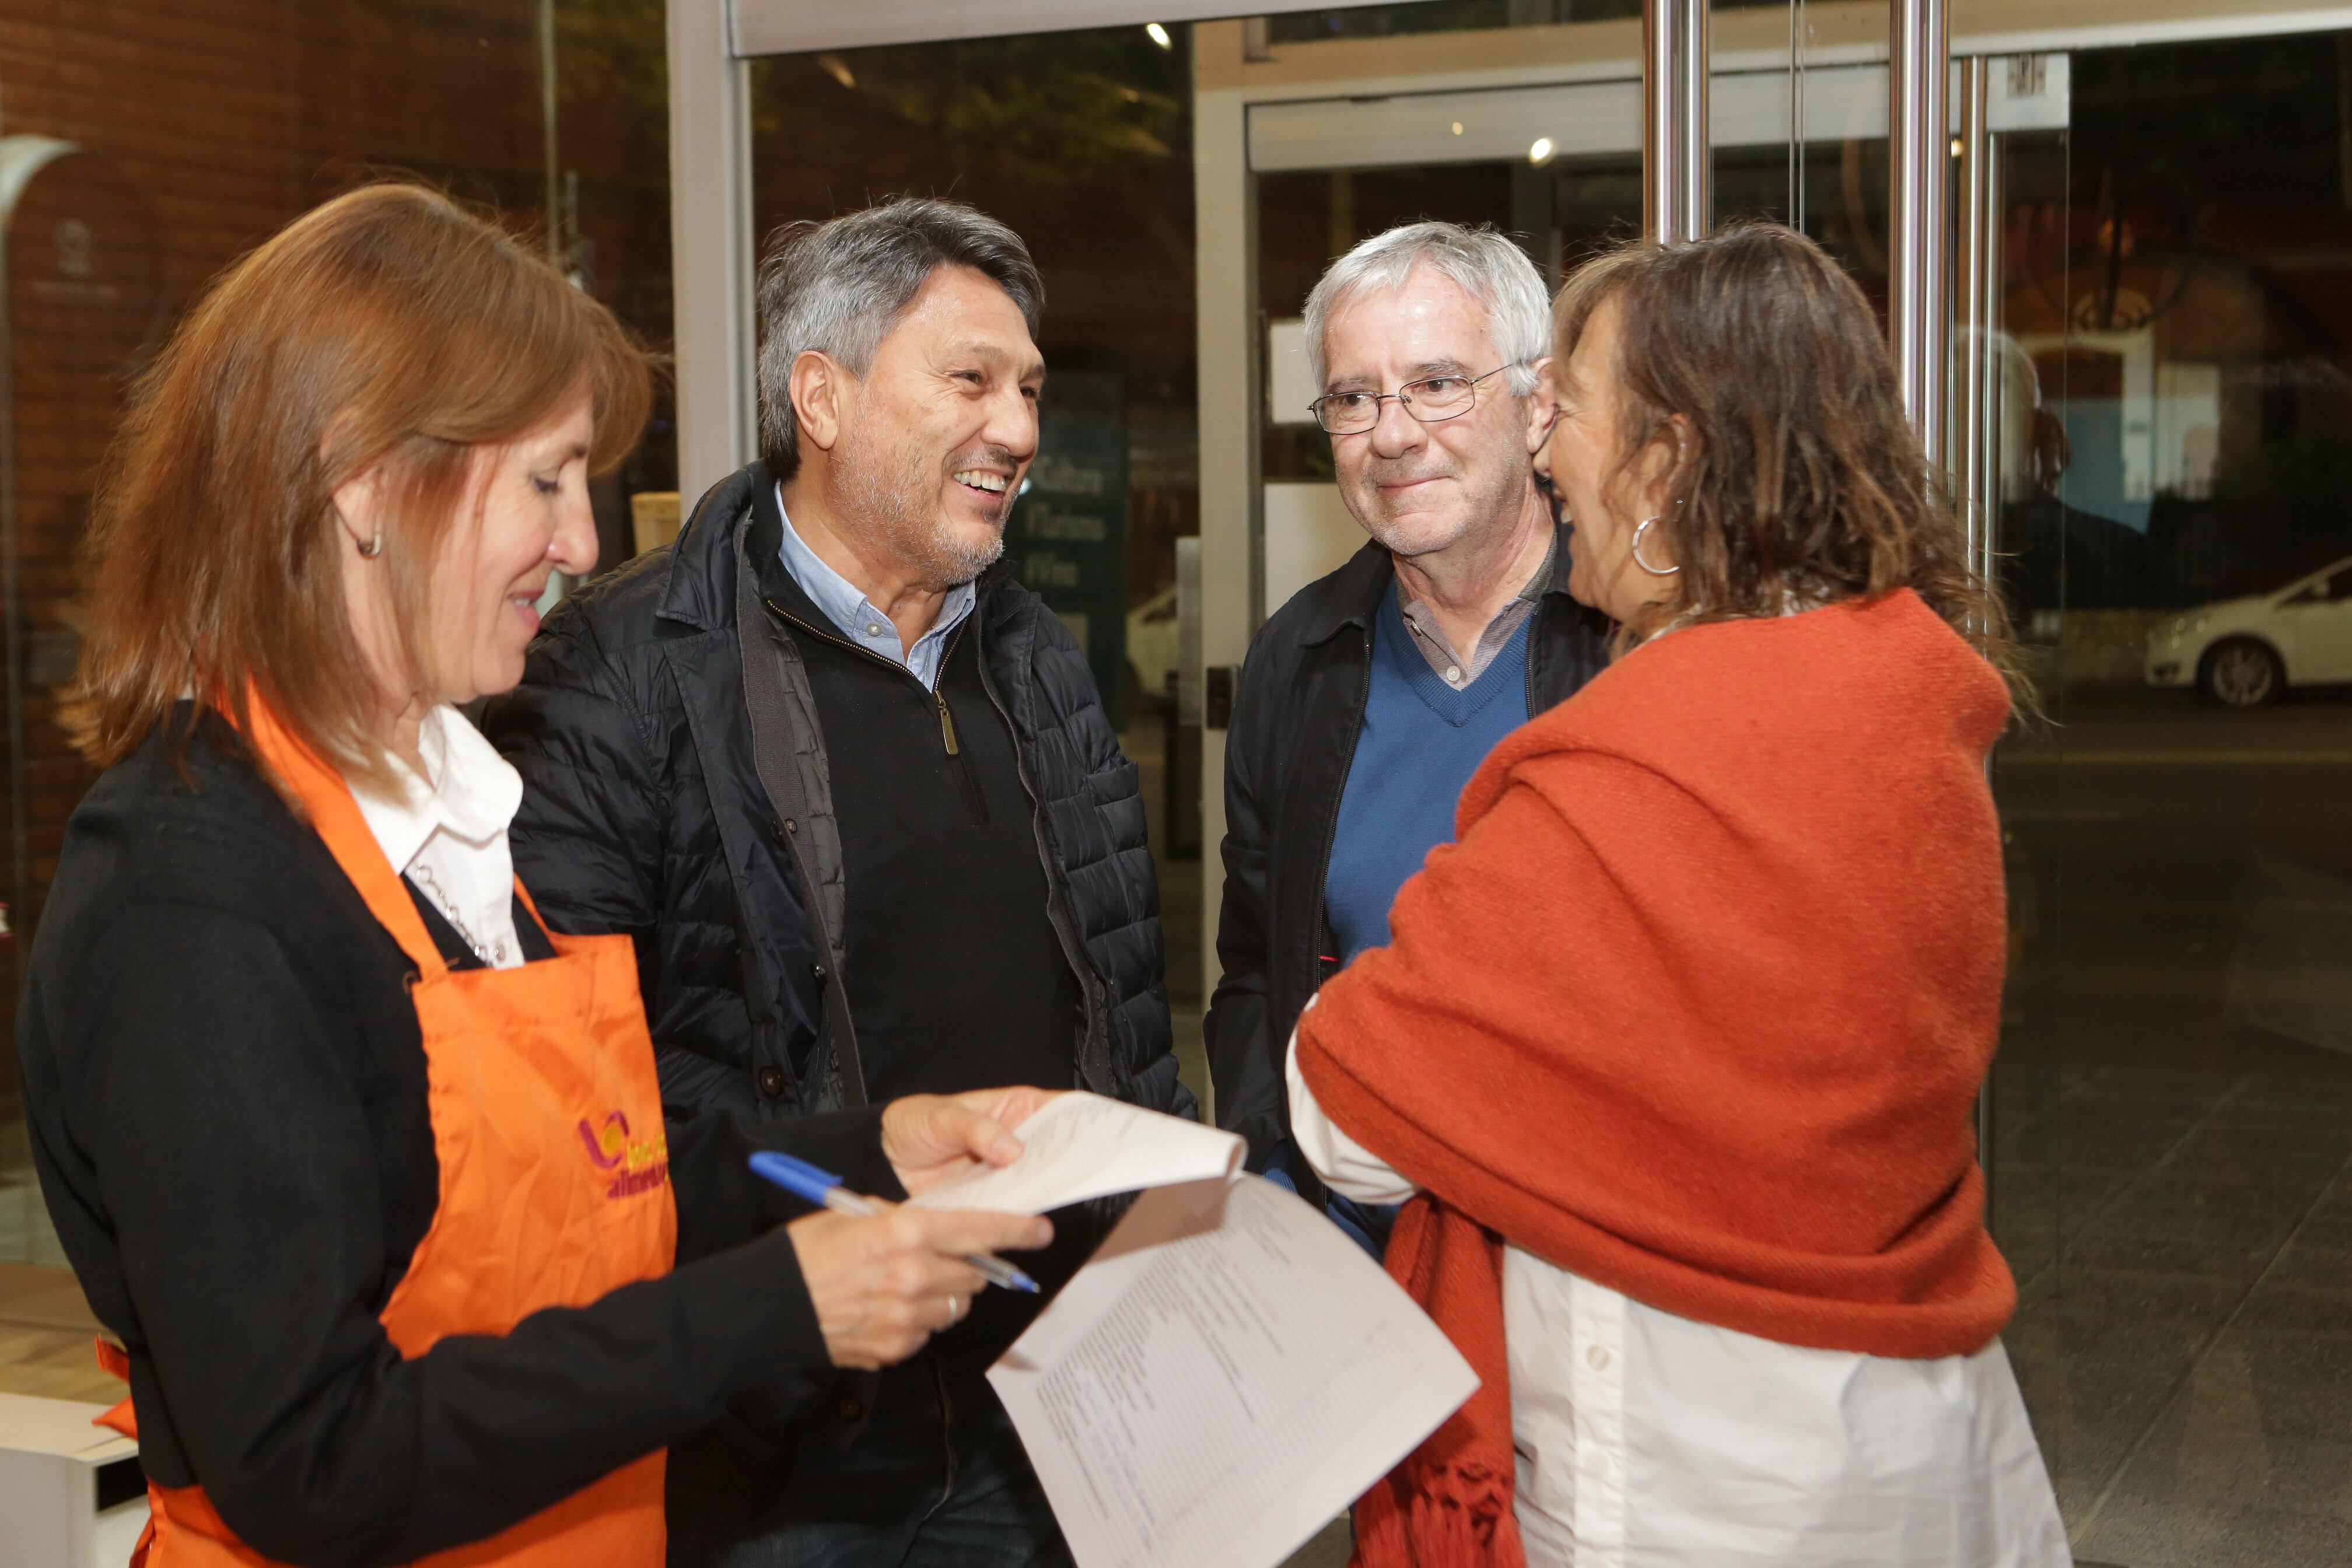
x=366, y=1171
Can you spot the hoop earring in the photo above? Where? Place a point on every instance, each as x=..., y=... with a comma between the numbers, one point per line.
x=1653, y=571
x=374, y=547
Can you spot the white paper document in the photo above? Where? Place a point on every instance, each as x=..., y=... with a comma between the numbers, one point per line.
x=1226, y=1375
x=1085, y=1146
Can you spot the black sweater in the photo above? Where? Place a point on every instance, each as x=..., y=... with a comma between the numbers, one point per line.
x=955, y=977
x=226, y=1092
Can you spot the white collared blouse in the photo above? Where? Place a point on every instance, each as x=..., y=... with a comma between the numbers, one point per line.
x=1648, y=1440
x=447, y=832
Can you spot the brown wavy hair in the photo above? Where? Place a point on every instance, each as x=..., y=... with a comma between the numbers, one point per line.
x=1800, y=481
x=388, y=329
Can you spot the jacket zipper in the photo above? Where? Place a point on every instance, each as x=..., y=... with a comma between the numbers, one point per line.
x=946, y=725
x=947, y=720
x=967, y=782
x=1056, y=884
x=966, y=785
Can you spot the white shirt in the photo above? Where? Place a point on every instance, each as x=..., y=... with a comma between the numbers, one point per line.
x=448, y=837
x=1648, y=1440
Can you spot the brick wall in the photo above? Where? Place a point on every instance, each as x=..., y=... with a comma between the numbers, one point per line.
x=204, y=126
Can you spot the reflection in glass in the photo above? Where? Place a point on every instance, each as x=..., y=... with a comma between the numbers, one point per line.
x=1455, y=16
x=145, y=151
x=2172, y=1166
x=1081, y=142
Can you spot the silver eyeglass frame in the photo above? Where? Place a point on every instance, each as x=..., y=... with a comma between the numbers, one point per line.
x=1403, y=394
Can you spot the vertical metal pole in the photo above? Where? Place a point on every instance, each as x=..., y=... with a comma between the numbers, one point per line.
x=711, y=247
x=1918, y=211
x=1230, y=335
x=12, y=607
x=1976, y=421
x=1976, y=425
x=557, y=248
x=1798, y=145
x=1676, y=199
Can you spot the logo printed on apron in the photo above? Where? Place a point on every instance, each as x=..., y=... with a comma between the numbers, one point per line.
x=636, y=1167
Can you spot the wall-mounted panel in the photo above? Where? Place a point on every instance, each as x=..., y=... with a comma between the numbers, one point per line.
x=793, y=26
x=1749, y=108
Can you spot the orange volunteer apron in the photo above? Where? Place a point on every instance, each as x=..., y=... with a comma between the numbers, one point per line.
x=554, y=1182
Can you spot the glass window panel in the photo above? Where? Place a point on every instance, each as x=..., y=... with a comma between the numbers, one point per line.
x=2172, y=1164
x=1082, y=142
x=150, y=144
x=1561, y=209
x=1453, y=16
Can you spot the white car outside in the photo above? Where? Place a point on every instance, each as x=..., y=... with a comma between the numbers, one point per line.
x=2246, y=651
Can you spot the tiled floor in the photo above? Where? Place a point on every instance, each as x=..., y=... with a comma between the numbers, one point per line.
x=25, y=1233
x=45, y=1328
x=46, y=1332
x=2172, y=1179
x=2184, y=1334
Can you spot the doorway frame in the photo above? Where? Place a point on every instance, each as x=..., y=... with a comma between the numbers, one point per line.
x=1235, y=68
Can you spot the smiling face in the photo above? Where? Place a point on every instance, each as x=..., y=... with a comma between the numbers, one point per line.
x=532, y=520
x=1583, y=459
x=940, y=430
x=1421, y=489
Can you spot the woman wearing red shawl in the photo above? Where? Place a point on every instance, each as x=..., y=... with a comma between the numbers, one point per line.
x=1675, y=1051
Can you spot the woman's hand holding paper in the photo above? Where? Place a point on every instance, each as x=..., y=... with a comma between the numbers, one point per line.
x=883, y=1283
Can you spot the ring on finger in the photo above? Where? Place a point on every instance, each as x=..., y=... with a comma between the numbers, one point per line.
x=955, y=1311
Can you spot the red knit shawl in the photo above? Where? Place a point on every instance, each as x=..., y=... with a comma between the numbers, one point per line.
x=1696, y=1007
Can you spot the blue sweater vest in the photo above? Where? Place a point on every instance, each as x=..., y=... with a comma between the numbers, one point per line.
x=1421, y=741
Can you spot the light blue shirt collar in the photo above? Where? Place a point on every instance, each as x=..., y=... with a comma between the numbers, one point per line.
x=858, y=620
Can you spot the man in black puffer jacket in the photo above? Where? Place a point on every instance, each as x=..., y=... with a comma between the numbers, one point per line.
x=856, y=797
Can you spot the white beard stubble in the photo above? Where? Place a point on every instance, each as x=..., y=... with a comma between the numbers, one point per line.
x=890, y=491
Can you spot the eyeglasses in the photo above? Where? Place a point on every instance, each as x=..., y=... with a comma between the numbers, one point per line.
x=1429, y=400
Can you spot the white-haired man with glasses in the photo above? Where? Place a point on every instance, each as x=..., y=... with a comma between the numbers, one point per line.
x=1369, y=699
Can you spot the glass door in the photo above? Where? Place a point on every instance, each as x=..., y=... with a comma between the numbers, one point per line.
x=2172, y=1154
x=1558, y=169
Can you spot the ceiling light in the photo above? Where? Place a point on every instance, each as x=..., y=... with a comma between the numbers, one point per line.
x=1540, y=151
x=1159, y=34
x=1457, y=127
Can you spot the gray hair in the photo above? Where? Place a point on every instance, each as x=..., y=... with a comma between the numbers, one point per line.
x=837, y=288
x=1489, y=267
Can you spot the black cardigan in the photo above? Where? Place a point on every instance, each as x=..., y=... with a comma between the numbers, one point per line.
x=226, y=1093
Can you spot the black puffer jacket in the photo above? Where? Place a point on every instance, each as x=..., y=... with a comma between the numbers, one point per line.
x=643, y=811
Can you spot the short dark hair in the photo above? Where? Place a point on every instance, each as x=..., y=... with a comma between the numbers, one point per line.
x=837, y=287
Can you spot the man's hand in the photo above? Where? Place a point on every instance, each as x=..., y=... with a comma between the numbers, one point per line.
x=883, y=1283
x=929, y=1138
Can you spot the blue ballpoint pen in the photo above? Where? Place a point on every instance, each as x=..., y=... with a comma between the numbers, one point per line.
x=822, y=1188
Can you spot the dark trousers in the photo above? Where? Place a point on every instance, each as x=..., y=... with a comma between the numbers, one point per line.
x=936, y=1479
